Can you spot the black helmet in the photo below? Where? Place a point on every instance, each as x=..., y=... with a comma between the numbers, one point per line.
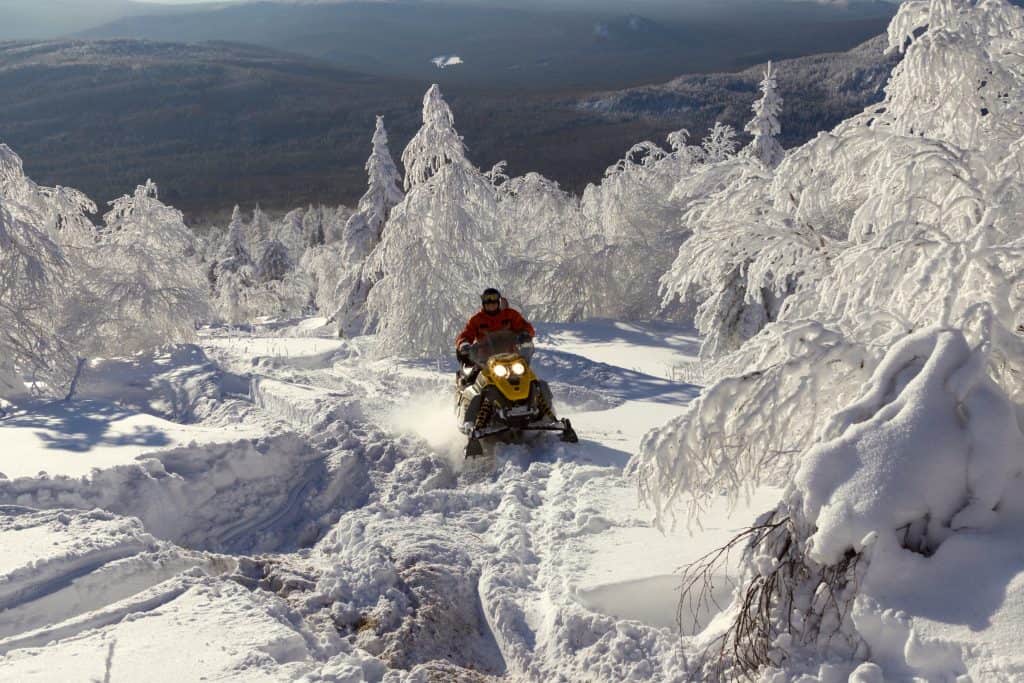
x=490, y=296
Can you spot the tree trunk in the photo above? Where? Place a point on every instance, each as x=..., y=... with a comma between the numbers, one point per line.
x=74, y=380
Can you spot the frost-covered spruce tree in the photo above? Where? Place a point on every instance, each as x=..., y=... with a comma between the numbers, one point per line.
x=313, y=226
x=259, y=230
x=363, y=231
x=274, y=263
x=235, y=251
x=441, y=247
x=765, y=126
x=291, y=233
x=231, y=270
x=887, y=391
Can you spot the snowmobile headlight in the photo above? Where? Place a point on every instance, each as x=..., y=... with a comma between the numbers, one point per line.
x=501, y=371
x=518, y=368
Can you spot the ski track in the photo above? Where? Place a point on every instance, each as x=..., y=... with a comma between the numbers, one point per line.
x=375, y=546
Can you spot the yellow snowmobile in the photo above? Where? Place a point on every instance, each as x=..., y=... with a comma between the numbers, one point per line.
x=499, y=397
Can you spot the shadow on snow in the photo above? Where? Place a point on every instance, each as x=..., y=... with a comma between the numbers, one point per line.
x=80, y=426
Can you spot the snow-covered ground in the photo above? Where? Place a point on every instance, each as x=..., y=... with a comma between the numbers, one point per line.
x=322, y=526
x=315, y=519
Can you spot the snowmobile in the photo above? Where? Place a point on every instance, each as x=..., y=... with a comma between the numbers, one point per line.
x=498, y=397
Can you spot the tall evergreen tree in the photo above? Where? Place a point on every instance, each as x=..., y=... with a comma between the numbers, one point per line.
x=275, y=263
x=363, y=231
x=259, y=231
x=765, y=125
x=438, y=251
x=235, y=249
x=436, y=145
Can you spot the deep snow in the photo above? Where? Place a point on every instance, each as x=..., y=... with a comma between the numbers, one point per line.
x=328, y=524
x=323, y=526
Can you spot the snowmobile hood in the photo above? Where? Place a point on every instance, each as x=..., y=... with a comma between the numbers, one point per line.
x=510, y=374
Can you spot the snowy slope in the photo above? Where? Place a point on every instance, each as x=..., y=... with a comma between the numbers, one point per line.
x=331, y=530
x=342, y=538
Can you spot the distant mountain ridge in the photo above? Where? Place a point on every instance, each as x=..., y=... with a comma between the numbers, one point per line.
x=218, y=123
x=50, y=19
x=820, y=91
x=520, y=47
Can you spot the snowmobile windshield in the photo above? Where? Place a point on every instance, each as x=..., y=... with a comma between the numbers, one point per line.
x=494, y=344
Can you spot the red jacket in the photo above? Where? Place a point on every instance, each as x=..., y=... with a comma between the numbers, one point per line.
x=482, y=324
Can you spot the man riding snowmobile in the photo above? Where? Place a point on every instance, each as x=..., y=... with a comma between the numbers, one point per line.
x=494, y=315
x=498, y=395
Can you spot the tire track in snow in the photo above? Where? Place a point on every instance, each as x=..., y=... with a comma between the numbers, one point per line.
x=144, y=602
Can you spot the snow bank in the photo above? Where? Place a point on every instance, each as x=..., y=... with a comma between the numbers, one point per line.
x=60, y=564
x=929, y=449
x=73, y=439
x=916, y=475
x=177, y=383
x=308, y=352
x=250, y=494
x=301, y=406
x=39, y=549
x=891, y=542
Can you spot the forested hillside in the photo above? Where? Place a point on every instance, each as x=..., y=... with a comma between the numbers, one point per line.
x=221, y=124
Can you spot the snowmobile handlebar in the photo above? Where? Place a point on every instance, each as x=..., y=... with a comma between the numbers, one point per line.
x=500, y=342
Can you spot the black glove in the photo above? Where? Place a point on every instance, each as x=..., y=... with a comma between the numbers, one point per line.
x=524, y=338
x=462, y=353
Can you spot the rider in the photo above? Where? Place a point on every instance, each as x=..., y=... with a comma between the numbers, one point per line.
x=495, y=315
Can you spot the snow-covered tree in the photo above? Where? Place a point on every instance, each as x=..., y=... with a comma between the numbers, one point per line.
x=32, y=278
x=335, y=220
x=720, y=143
x=146, y=282
x=437, y=145
x=313, y=226
x=291, y=233
x=442, y=245
x=259, y=230
x=235, y=250
x=884, y=390
x=61, y=212
x=363, y=232
x=765, y=125
x=553, y=269
x=742, y=259
x=274, y=263
x=363, y=229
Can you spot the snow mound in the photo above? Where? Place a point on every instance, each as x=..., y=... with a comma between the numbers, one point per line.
x=248, y=495
x=929, y=449
x=177, y=383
